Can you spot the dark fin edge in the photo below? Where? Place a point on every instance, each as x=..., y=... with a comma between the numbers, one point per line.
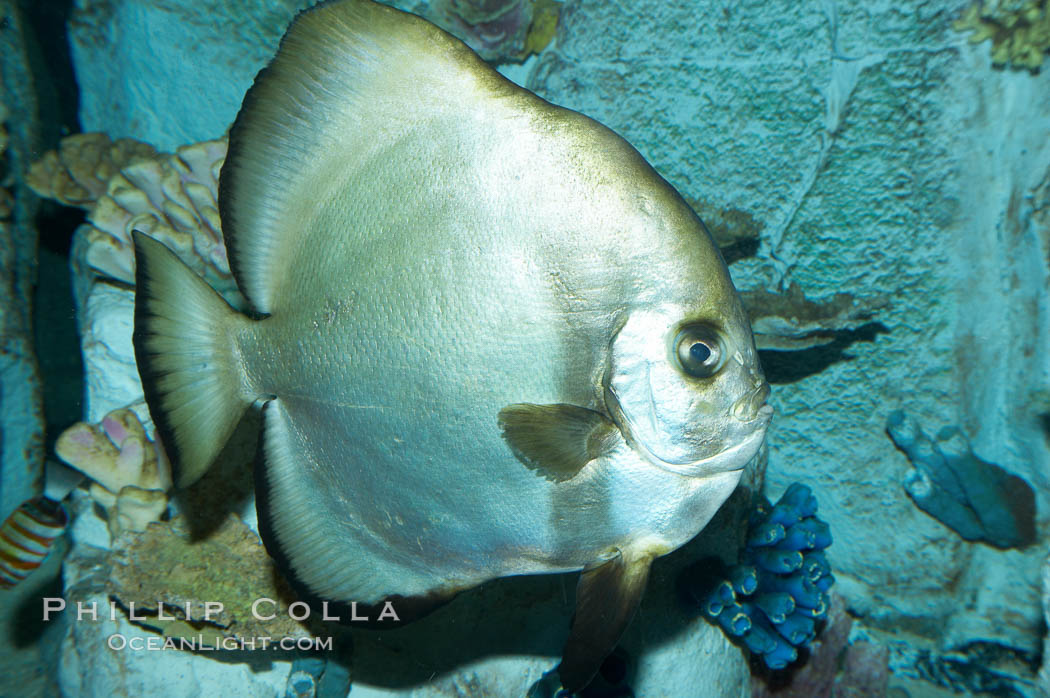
x=148, y=374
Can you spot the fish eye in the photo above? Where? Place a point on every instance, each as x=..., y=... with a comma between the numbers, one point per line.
x=699, y=351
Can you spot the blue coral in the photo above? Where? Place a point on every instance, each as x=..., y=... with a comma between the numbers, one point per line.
x=318, y=676
x=774, y=597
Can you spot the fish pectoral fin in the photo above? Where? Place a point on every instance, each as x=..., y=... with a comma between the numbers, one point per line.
x=556, y=441
x=606, y=598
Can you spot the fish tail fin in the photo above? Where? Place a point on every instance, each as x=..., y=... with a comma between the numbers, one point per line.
x=194, y=385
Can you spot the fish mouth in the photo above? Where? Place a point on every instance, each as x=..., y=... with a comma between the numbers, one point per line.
x=731, y=459
x=750, y=407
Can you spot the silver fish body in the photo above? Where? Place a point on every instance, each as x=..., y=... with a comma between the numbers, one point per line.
x=392, y=354
x=494, y=341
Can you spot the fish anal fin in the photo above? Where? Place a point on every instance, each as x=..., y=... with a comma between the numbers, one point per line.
x=556, y=441
x=606, y=598
x=319, y=566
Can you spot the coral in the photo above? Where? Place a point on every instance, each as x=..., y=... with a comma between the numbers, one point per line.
x=499, y=30
x=230, y=567
x=317, y=677
x=978, y=500
x=1020, y=31
x=169, y=197
x=835, y=667
x=789, y=321
x=772, y=599
x=131, y=474
x=77, y=173
x=544, y=26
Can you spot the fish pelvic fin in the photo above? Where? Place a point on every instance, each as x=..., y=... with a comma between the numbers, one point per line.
x=607, y=597
x=184, y=348
x=556, y=441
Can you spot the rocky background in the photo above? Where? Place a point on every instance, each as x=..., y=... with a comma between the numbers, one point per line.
x=879, y=174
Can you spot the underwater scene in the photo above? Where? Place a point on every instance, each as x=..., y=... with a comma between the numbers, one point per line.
x=524, y=348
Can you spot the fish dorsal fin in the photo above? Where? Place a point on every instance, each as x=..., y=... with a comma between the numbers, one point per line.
x=556, y=441
x=349, y=77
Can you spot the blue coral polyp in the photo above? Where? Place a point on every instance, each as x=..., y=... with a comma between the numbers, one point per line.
x=744, y=579
x=766, y=534
x=777, y=605
x=774, y=597
x=779, y=561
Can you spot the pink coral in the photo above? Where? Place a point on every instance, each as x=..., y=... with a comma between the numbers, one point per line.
x=131, y=475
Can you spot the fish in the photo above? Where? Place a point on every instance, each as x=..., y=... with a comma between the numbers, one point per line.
x=26, y=538
x=486, y=337
x=30, y=532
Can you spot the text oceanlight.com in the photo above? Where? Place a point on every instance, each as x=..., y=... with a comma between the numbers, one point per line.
x=119, y=642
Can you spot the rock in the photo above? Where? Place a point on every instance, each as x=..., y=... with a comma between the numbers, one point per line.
x=1044, y=672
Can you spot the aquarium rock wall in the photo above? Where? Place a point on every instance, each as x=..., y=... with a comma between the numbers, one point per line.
x=21, y=411
x=878, y=155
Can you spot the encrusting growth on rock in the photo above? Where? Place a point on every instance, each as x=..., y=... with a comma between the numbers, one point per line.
x=1020, y=35
x=78, y=171
x=163, y=563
